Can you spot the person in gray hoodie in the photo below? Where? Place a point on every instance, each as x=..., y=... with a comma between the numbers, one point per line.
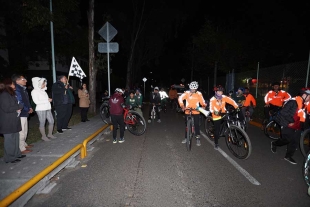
x=43, y=107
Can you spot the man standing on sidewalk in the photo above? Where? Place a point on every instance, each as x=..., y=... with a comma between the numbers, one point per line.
x=62, y=101
x=23, y=98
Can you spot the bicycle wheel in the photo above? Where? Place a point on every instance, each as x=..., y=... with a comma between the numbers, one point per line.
x=153, y=114
x=105, y=113
x=273, y=130
x=304, y=142
x=238, y=142
x=209, y=127
x=306, y=171
x=189, y=135
x=135, y=123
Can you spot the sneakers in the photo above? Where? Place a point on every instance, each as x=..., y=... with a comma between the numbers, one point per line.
x=114, y=141
x=198, y=142
x=216, y=146
x=158, y=120
x=273, y=148
x=184, y=141
x=121, y=140
x=60, y=131
x=290, y=160
x=149, y=121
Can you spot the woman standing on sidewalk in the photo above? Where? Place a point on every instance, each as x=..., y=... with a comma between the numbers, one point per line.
x=84, y=102
x=43, y=107
x=10, y=124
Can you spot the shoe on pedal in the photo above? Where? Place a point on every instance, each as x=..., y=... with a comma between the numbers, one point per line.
x=290, y=160
x=198, y=142
x=184, y=141
x=273, y=148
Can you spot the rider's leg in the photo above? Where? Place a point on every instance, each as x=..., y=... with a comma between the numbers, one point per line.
x=217, y=127
x=157, y=112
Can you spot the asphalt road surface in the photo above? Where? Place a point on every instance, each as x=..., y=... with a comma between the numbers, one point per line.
x=155, y=169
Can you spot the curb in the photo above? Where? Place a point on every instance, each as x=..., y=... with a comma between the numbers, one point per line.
x=257, y=124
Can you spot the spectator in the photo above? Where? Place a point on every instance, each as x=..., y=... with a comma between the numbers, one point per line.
x=84, y=102
x=43, y=107
x=132, y=101
x=173, y=95
x=62, y=102
x=155, y=101
x=10, y=123
x=139, y=97
x=116, y=111
x=23, y=98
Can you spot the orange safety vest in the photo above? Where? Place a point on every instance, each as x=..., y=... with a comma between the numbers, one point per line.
x=248, y=99
x=173, y=94
x=219, y=105
x=301, y=111
x=307, y=107
x=192, y=101
x=277, y=99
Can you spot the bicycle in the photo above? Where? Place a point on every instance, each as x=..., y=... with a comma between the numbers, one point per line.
x=105, y=110
x=134, y=122
x=304, y=142
x=272, y=129
x=190, y=128
x=153, y=113
x=164, y=104
x=306, y=171
x=235, y=137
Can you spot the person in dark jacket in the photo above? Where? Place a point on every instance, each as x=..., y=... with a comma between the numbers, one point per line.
x=10, y=124
x=23, y=98
x=289, y=119
x=116, y=103
x=63, y=100
x=155, y=101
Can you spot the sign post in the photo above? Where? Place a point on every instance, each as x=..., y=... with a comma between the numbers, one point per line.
x=108, y=32
x=144, y=80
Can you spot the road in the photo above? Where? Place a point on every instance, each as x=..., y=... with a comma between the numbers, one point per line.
x=156, y=170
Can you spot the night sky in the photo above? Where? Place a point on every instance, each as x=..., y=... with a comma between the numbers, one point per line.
x=277, y=25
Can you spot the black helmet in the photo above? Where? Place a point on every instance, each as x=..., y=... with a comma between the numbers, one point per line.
x=219, y=88
x=275, y=83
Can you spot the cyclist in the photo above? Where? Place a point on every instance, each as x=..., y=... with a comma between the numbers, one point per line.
x=173, y=95
x=217, y=106
x=116, y=110
x=250, y=102
x=163, y=97
x=290, y=119
x=193, y=98
x=274, y=99
x=133, y=102
x=155, y=101
x=239, y=98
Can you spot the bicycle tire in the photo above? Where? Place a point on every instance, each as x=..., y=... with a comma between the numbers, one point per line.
x=105, y=113
x=304, y=142
x=209, y=127
x=153, y=114
x=236, y=140
x=306, y=170
x=189, y=135
x=273, y=130
x=138, y=126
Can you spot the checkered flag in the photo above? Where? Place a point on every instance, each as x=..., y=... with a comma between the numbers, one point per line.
x=76, y=70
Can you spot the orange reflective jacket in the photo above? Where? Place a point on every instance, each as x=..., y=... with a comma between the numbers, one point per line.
x=192, y=101
x=219, y=105
x=307, y=107
x=277, y=99
x=301, y=110
x=173, y=94
x=248, y=100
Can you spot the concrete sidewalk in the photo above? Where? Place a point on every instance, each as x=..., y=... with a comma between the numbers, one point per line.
x=13, y=175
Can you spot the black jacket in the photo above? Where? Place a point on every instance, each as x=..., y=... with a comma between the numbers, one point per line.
x=61, y=95
x=23, y=98
x=155, y=98
x=286, y=115
x=9, y=121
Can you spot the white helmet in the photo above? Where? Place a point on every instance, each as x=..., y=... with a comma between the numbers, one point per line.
x=119, y=90
x=193, y=85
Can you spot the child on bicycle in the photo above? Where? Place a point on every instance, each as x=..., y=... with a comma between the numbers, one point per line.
x=154, y=101
x=193, y=99
x=217, y=107
x=133, y=103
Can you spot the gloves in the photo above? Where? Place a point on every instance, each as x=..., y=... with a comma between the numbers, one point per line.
x=237, y=109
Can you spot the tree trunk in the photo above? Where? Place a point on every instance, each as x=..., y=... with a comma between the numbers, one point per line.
x=92, y=69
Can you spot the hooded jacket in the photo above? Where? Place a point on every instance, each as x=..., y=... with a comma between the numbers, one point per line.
x=39, y=95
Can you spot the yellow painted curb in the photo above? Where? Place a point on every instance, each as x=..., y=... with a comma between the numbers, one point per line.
x=254, y=123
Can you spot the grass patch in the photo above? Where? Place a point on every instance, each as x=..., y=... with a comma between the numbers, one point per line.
x=34, y=134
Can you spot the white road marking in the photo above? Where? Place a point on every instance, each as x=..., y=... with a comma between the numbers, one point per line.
x=234, y=163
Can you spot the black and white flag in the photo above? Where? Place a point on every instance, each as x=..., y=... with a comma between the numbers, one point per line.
x=76, y=70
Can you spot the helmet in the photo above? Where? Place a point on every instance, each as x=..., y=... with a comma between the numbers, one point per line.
x=156, y=88
x=119, y=90
x=218, y=88
x=193, y=85
x=305, y=91
x=231, y=91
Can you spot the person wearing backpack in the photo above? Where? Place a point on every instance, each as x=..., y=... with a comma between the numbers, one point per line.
x=290, y=118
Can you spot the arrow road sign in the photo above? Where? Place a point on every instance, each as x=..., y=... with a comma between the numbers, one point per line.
x=103, y=47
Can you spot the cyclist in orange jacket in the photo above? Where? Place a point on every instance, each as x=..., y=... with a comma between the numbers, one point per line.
x=217, y=106
x=250, y=102
x=193, y=99
x=274, y=99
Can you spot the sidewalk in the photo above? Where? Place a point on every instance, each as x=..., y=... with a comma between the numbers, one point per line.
x=12, y=176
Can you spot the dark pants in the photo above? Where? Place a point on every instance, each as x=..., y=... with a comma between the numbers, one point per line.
x=84, y=111
x=217, y=128
x=118, y=120
x=268, y=109
x=63, y=116
x=289, y=137
x=196, y=123
x=11, y=147
x=156, y=110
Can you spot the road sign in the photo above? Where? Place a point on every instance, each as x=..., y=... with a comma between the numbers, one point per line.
x=144, y=79
x=103, y=47
x=107, y=32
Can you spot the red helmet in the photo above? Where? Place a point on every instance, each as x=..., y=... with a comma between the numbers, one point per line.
x=218, y=88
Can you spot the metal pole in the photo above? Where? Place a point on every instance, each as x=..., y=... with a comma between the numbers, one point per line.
x=257, y=79
x=52, y=41
x=208, y=86
x=308, y=71
x=144, y=89
x=108, y=58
